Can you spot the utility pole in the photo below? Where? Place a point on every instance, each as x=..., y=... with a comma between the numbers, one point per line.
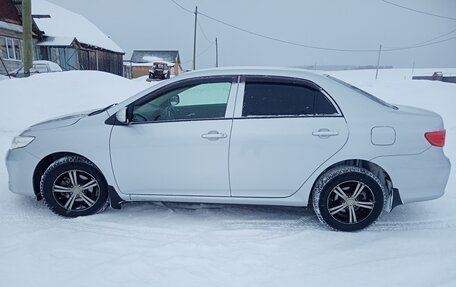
x=216, y=53
x=194, y=38
x=378, y=61
x=27, y=56
x=413, y=67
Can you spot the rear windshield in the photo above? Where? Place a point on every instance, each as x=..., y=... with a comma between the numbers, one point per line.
x=364, y=93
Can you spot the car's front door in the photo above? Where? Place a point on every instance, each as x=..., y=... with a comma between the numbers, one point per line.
x=177, y=142
x=286, y=130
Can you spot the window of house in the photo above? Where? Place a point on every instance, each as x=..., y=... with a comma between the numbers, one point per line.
x=17, y=49
x=276, y=99
x=10, y=48
x=200, y=101
x=3, y=48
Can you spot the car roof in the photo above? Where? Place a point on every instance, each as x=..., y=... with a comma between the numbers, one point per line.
x=253, y=70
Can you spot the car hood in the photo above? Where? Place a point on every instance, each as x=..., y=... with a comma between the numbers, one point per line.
x=60, y=122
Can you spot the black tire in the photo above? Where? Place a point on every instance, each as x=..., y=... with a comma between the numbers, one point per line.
x=336, y=204
x=73, y=186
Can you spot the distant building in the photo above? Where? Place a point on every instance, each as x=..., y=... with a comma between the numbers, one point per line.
x=74, y=42
x=11, y=36
x=142, y=61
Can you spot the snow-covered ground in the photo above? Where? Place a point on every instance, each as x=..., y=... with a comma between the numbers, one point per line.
x=147, y=244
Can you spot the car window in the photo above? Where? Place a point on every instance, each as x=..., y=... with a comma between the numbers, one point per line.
x=40, y=68
x=201, y=101
x=273, y=99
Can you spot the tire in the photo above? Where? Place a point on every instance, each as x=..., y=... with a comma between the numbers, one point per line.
x=73, y=186
x=336, y=204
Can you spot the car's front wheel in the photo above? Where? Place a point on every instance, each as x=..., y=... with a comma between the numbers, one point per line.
x=73, y=186
x=348, y=198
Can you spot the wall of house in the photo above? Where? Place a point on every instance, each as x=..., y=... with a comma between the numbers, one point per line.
x=66, y=57
x=76, y=58
x=139, y=71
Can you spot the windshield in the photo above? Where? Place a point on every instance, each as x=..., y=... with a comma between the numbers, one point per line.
x=364, y=93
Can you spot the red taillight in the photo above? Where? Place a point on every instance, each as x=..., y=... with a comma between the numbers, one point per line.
x=436, y=138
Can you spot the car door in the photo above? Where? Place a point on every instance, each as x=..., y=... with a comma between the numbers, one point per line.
x=177, y=142
x=283, y=130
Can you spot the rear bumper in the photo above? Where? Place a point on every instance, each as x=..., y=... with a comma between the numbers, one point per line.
x=418, y=177
x=21, y=166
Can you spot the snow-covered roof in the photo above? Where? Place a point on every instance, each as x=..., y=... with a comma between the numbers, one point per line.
x=150, y=56
x=56, y=41
x=10, y=26
x=64, y=26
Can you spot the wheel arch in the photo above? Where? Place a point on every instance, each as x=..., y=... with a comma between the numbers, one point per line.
x=380, y=172
x=45, y=162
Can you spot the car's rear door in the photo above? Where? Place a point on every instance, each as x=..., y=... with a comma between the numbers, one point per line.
x=178, y=141
x=283, y=130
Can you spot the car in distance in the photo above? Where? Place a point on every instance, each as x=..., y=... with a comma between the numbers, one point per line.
x=159, y=71
x=238, y=136
x=38, y=67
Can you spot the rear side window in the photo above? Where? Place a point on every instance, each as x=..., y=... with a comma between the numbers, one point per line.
x=273, y=99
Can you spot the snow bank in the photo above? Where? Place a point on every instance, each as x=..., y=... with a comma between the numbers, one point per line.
x=30, y=100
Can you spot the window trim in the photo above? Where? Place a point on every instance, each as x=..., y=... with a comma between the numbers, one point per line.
x=185, y=83
x=281, y=80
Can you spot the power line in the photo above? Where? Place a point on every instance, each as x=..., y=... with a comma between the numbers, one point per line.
x=312, y=46
x=418, y=11
x=201, y=53
x=435, y=38
x=204, y=33
x=182, y=7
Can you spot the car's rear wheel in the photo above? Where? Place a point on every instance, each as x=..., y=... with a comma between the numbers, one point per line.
x=72, y=186
x=348, y=198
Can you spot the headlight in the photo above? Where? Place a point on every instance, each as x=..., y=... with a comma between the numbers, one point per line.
x=21, y=141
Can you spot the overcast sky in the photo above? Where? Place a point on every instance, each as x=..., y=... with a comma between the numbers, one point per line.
x=347, y=24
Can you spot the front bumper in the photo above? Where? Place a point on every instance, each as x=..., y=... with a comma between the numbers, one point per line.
x=21, y=166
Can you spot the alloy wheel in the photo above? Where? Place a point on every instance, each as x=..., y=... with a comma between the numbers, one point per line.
x=76, y=190
x=351, y=202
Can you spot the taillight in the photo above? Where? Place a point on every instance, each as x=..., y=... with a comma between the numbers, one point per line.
x=436, y=138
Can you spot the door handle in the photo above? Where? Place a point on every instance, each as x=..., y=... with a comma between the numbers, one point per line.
x=214, y=135
x=325, y=133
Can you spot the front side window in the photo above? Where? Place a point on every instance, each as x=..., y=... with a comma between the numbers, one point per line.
x=199, y=101
x=275, y=99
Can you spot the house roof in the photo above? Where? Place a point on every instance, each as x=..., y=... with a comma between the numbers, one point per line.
x=11, y=12
x=150, y=56
x=65, y=26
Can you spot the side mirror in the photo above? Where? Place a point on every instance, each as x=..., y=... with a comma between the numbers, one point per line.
x=121, y=116
x=174, y=100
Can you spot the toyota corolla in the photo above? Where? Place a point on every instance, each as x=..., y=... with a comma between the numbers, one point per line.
x=238, y=136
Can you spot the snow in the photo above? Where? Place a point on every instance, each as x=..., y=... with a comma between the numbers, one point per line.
x=47, y=95
x=151, y=59
x=147, y=244
x=65, y=25
x=56, y=41
x=10, y=26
